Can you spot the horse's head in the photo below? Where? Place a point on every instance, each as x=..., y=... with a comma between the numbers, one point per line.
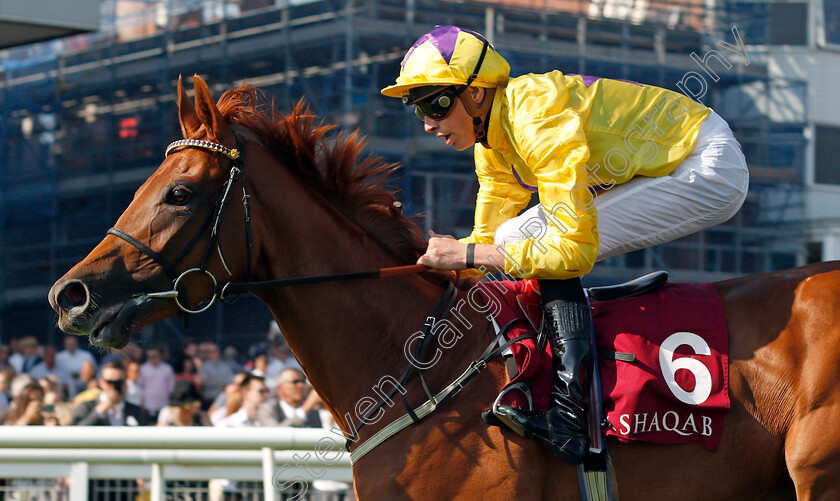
x=163, y=232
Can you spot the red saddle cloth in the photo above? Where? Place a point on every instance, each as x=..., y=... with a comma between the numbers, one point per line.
x=677, y=388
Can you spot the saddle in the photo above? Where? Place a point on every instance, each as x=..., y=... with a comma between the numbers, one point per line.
x=637, y=287
x=661, y=368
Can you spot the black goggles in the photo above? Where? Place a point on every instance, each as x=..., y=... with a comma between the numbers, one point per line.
x=434, y=102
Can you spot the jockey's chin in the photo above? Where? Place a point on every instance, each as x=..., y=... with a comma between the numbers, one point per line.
x=467, y=144
x=459, y=140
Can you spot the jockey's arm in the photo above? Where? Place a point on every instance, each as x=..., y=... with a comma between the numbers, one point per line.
x=569, y=245
x=500, y=196
x=554, y=146
x=444, y=252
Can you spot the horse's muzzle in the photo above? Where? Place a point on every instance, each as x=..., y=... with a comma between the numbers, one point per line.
x=107, y=326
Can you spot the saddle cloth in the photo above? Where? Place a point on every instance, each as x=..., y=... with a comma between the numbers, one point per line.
x=675, y=391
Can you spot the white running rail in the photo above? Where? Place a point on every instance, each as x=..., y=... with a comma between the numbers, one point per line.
x=274, y=455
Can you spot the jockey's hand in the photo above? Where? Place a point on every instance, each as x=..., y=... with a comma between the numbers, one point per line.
x=444, y=253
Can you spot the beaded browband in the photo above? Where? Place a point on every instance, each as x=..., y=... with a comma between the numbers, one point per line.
x=232, y=154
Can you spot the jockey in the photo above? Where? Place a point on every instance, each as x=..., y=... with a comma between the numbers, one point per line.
x=618, y=166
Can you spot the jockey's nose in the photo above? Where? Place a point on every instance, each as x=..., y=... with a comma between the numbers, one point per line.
x=430, y=125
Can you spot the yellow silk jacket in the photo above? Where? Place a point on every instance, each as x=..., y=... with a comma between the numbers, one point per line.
x=566, y=137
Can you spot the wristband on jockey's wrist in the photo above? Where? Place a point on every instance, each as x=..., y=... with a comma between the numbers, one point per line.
x=470, y=256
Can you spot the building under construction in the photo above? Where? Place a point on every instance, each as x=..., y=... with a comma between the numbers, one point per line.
x=84, y=120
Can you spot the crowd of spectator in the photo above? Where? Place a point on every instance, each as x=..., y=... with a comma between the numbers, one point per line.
x=195, y=384
x=198, y=385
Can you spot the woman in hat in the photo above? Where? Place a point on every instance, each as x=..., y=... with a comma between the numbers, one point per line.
x=617, y=166
x=184, y=407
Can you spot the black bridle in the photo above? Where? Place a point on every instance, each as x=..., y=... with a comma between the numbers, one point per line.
x=215, y=218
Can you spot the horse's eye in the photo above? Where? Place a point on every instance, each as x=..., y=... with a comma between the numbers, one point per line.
x=178, y=196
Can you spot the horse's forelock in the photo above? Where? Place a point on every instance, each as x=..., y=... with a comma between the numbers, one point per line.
x=336, y=167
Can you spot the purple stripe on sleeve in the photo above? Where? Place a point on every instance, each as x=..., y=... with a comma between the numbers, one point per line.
x=519, y=180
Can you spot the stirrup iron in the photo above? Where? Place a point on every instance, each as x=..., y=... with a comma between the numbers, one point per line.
x=526, y=390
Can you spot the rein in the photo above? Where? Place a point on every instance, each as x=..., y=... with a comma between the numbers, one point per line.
x=240, y=287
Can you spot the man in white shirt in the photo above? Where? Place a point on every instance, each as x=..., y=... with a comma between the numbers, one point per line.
x=70, y=360
x=133, y=391
x=215, y=372
x=15, y=358
x=296, y=405
x=49, y=367
x=254, y=393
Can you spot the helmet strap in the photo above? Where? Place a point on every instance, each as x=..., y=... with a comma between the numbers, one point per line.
x=478, y=112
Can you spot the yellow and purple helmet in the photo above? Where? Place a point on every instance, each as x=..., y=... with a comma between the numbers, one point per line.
x=449, y=55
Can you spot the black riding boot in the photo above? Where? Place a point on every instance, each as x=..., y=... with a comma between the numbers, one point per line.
x=563, y=429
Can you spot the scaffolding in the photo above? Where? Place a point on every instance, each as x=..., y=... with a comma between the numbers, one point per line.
x=84, y=121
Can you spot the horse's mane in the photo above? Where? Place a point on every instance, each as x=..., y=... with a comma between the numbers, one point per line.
x=336, y=167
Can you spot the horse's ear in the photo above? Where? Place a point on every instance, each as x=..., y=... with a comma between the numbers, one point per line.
x=210, y=115
x=186, y=112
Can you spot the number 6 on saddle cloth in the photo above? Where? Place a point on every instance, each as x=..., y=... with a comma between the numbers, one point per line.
x=664, y=409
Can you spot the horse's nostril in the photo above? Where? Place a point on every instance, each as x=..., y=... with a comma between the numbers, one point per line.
x=74, y=294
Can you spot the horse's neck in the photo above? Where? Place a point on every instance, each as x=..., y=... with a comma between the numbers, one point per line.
x=346, y=335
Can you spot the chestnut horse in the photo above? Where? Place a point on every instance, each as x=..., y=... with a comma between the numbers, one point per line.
x=316, y=209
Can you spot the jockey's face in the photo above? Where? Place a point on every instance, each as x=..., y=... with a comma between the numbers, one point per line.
x=456, y=128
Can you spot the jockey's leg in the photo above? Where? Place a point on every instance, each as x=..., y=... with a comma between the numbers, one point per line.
x=706, y=188
x=567, y=326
